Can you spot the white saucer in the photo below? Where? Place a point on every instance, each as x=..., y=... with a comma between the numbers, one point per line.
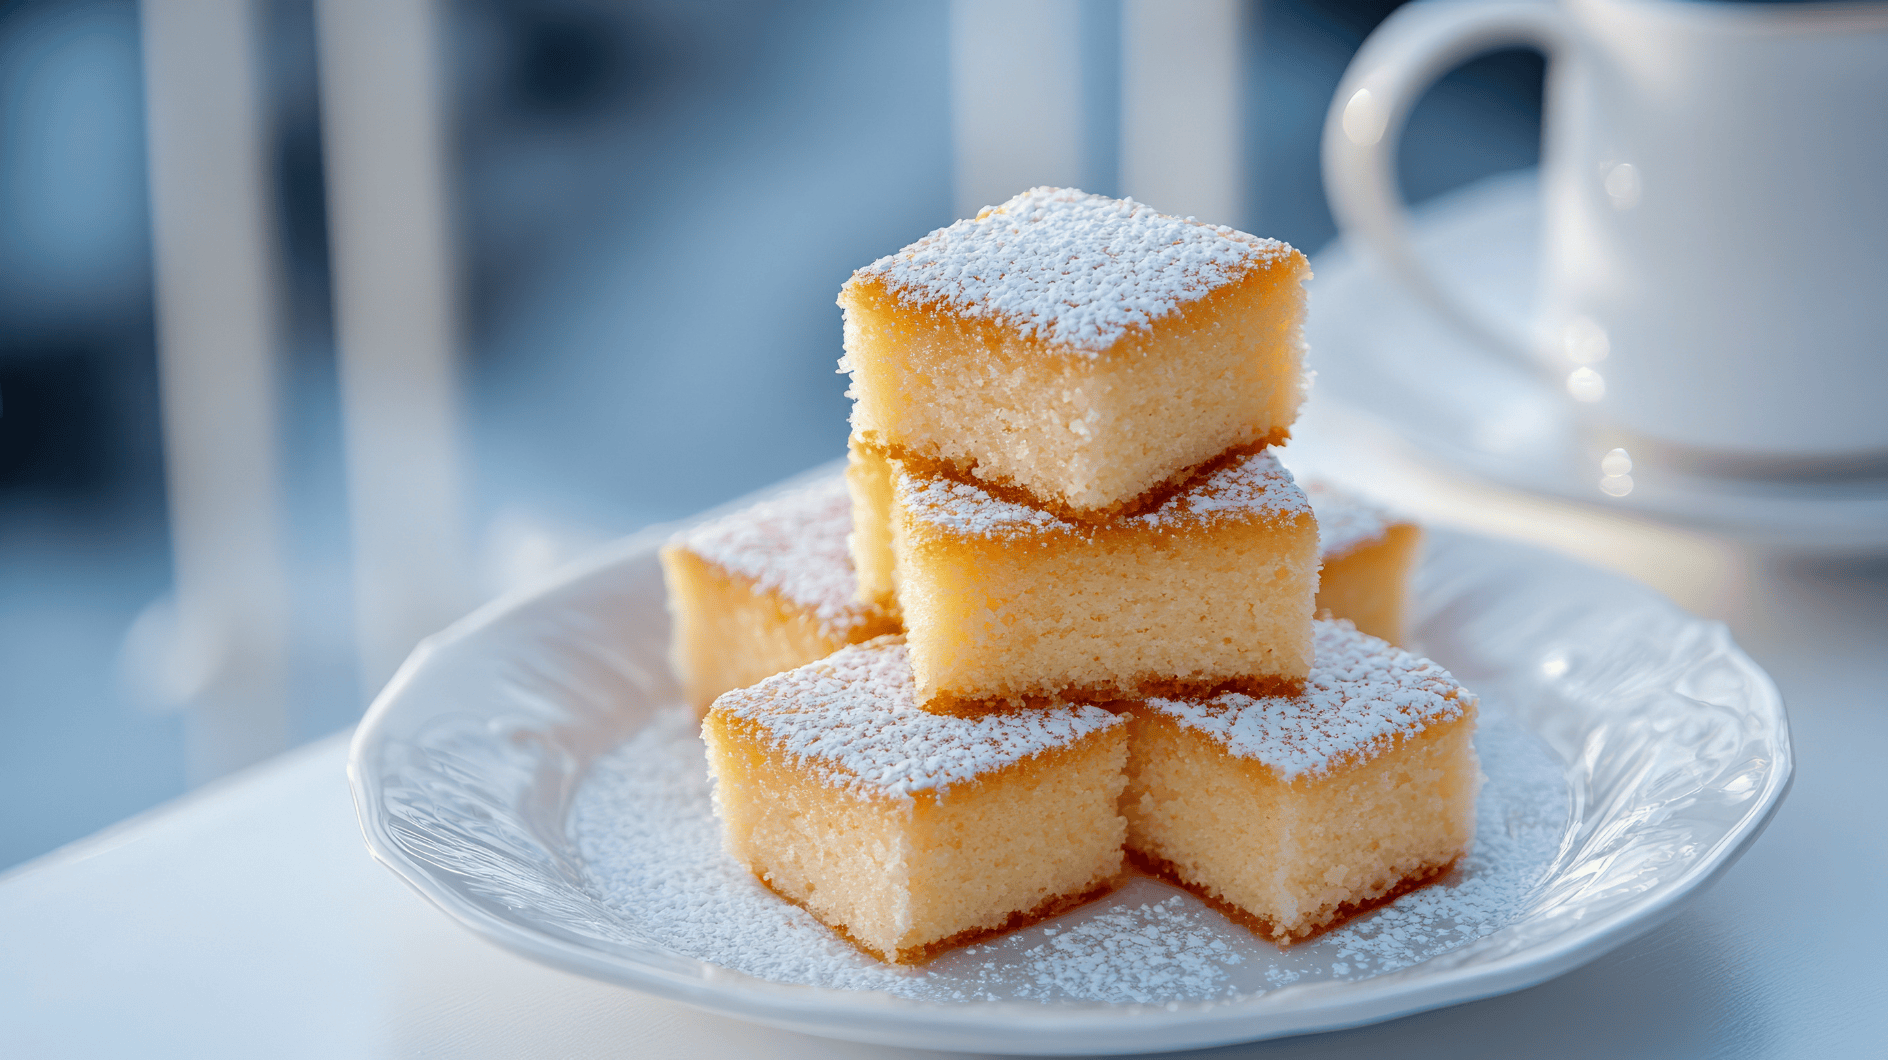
x=1381, y=356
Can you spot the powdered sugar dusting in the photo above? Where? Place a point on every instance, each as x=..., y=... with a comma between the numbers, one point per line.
x=649, y=847
x=1146, y=951
x=1249, y=486
x=1362, y=695
x=1253, y=484
x=852, y=719
x=1074, y=270
x=1346, y=522
x=794, y=545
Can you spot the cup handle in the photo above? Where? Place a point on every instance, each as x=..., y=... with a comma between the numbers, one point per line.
x=1404, y=56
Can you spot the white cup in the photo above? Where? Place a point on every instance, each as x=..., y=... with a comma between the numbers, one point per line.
x=1715, y=274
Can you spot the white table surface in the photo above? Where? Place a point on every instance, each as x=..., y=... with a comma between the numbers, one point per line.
x=247, y=919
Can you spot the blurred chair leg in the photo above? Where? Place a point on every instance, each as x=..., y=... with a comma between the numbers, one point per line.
x=217, y=337
x=396, y=323
x=1016, y=98
x=1182, y=65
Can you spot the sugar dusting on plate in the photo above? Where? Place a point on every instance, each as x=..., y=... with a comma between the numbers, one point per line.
x=651, y=850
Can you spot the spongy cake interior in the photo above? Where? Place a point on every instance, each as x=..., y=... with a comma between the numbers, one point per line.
x=905, y=873
x=1294, y=840
x=1295, y=858
x=1085, y=428
x=1006, y=604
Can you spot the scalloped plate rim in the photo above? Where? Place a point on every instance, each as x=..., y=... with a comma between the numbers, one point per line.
x=877, y=1018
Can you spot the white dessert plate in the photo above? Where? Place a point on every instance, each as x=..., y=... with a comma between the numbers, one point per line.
x=1380, y=353
x=532, y=773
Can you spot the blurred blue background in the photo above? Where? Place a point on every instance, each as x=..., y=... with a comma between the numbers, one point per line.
x=655, y=204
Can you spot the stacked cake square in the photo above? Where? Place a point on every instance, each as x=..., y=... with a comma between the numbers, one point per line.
x=1060, y=487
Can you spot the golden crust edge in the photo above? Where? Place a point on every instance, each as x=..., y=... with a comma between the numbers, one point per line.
x=1162, y=869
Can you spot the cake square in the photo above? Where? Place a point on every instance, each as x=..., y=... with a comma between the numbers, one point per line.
x=1293, y=813
x=909, y=832
x=1368, y=554
x=763, y=590
x=1006, y=605
x=869, y=479
x=1082, y=349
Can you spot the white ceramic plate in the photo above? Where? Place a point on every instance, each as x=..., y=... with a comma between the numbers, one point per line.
x=482, y=771
x=1381, y=354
